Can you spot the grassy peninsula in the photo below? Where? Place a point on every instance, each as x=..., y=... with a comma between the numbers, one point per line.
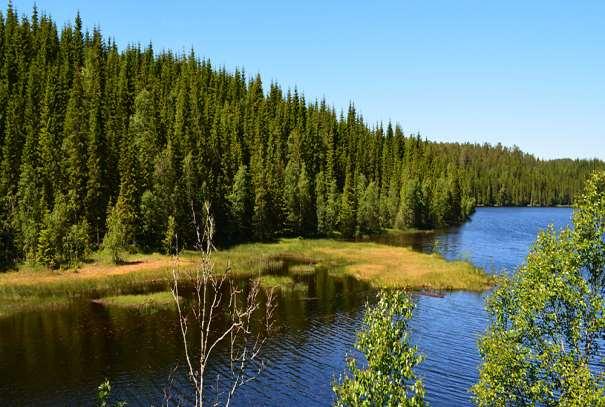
x=377, y=264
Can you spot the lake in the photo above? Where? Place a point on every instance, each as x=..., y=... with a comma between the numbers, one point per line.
x=59, y=357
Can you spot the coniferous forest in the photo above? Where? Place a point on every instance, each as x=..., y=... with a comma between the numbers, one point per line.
x=93, y=138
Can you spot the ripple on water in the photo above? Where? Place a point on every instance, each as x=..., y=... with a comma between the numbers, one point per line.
x=60, y=357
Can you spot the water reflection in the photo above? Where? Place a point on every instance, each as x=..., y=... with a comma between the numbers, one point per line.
x=60, y=357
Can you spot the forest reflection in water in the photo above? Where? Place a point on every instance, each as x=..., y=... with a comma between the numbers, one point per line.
x=59, y=357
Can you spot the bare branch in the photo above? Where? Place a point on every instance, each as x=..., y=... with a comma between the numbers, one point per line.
x=209, y=301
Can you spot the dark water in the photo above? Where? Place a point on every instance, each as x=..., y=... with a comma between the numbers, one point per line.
x=60, y=357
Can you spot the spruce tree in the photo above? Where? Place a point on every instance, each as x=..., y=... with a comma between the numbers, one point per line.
x=291, y=197
x=321, y=204
x=31, y=210
x=409, y=210
x=74, y=147
x=151, y=222
x=143, y=132
x=239, y=200
x=49, y=141
x=346, y=219
x=368, y=212
x=96, y=149
x=303, y=186
x=11, y=149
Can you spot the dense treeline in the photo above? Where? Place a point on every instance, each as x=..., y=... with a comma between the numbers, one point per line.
x=94, y=139
x=501, y=176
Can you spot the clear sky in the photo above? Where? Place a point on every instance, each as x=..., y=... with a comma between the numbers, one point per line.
x=524, y=72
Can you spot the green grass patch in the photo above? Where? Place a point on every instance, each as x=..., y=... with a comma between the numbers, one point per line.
x=302, y=269
x=283, y=283
x=10, y=306
x=140, y=302
x=27, y=290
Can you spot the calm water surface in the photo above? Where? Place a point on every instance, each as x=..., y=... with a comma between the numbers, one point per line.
x=60, y=357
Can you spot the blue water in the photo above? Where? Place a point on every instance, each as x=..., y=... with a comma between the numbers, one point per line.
x=60, y=357
x=447, y=329
x=499, y=239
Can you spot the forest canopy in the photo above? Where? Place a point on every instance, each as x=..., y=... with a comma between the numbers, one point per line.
x=93, y=138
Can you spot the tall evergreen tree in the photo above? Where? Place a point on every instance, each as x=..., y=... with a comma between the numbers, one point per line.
x=83, y=123
x=74, y=147
x=368, y=211
x=96, y=149
x=346, y=220
x=239, y=200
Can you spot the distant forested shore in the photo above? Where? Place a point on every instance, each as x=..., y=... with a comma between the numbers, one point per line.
x=94, y=138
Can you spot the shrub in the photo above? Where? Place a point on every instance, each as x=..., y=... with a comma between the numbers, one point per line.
x=389, y=378
x=117, y=236
x=548, y=321
x=76, y=243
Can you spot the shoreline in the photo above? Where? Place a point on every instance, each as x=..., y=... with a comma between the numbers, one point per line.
x=378, y=265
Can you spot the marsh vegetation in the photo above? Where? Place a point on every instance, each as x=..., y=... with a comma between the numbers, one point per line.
x=278, y=265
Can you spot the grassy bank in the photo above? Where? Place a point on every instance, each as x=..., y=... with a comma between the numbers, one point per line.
x=140, y=302
x=379, y=265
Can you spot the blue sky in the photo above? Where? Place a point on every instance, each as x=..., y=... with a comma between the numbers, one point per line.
x=529, y=73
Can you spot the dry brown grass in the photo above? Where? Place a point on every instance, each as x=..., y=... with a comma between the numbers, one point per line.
x=89, y=271
x=387, y=266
